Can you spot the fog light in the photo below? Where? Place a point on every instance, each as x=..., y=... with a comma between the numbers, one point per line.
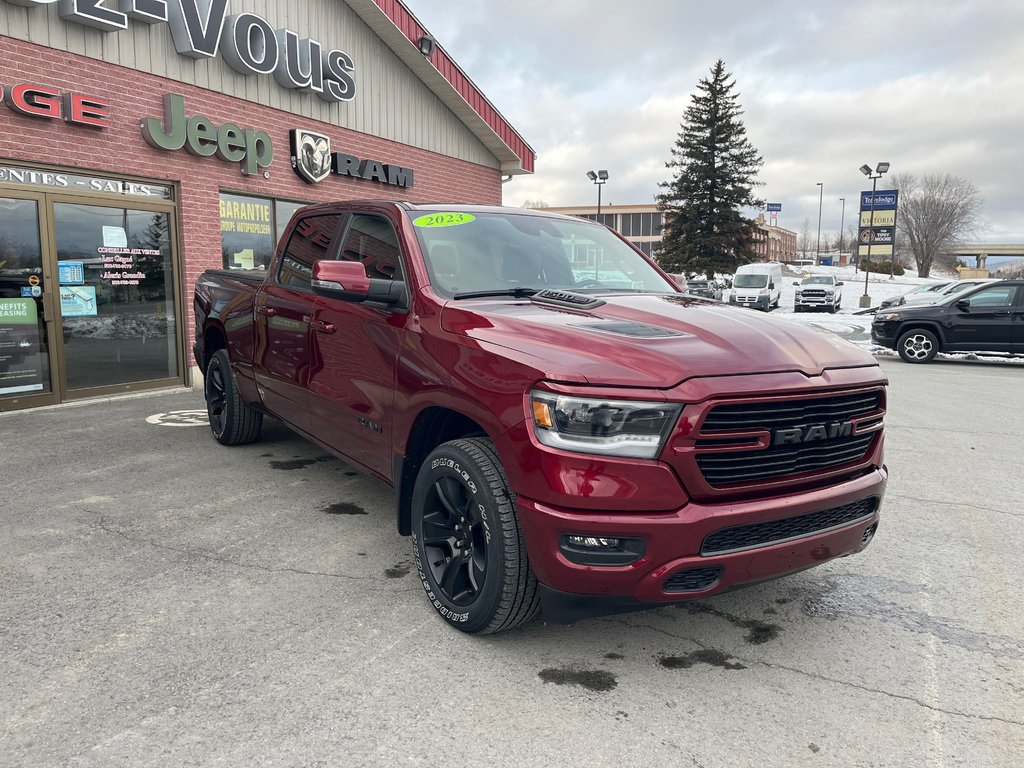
x=600, y=550
x=592, y=543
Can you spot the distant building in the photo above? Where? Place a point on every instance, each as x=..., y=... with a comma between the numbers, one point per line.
x=642, y=225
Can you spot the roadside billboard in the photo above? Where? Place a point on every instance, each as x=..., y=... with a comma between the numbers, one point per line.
x=877, y=235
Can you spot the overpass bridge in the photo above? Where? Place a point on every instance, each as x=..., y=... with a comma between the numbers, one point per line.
x=981, y=251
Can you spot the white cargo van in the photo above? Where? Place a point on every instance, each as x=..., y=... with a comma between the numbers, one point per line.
x=757, y=285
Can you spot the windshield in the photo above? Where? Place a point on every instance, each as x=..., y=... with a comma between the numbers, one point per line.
x=750, y=281
x=818, y=280
x=469, y=253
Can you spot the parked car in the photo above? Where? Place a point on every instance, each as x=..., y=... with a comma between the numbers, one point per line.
x=930, y=288
x=983, y=318
x=818, y=292
x=953, y=288
x=554, y=441
x=708, y=289
x=757, y=285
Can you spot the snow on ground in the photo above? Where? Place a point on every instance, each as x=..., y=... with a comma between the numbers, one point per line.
x=856, y=328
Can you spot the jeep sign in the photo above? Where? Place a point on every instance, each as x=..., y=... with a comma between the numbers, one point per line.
x=200, y=136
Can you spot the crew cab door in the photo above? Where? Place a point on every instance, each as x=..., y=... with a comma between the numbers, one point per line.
x=987, y=324
x=356, y=348
x=284, y=310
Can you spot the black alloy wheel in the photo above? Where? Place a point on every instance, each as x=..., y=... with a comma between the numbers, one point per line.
x=231, y=420
x=454, y=541
x=470, y=551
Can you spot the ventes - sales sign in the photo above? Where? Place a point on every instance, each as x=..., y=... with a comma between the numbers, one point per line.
x=246, y=41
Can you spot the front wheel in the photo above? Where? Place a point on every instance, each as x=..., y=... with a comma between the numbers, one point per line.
x=469, y=548
x=231, y=420
x=918, y=346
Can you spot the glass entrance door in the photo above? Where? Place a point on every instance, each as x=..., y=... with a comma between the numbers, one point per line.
x=117, y=297
x=27, y=305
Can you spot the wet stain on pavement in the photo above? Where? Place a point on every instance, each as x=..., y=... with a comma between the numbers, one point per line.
x=614, y=656
x=344, y=508
x=814, y=747
x=759, y=631
x=709, y=656
x=396, y=571
x=297, y=463
x=591, y=679
x=351, y=474
x=266, y=455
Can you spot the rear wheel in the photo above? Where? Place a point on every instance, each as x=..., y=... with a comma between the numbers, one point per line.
x=918, y=346
x=469, y=548
x=231, y=420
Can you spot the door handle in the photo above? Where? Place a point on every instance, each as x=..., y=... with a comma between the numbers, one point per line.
x=1003, y=312
x=268, y=311
x=321, y=327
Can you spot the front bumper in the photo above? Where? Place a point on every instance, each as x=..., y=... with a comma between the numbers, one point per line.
x=760, y=302
x=815, y=302
x=673, y=542
x=884, y=334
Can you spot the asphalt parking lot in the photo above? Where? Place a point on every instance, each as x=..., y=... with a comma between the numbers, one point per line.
x=165, y=601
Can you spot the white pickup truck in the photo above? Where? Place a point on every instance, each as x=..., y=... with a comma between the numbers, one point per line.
x=818, y=292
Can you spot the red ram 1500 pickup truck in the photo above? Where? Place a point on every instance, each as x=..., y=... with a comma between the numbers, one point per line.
x=564, y=429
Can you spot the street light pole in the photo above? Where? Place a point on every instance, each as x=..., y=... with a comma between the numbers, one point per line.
x=599, y=178
x=842, y=223
x=865, y=300
x=817, y=245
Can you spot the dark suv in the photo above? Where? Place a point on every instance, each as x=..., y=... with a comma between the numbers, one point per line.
x=989, y=318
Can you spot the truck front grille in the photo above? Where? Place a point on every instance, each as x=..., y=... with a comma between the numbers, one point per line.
x=755, y=535
x=806, y=435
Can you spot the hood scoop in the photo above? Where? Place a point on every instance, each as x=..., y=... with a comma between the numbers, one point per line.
x=567, y=299
x=633, y=330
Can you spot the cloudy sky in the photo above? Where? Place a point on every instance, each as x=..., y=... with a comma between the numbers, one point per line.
x=932, y=86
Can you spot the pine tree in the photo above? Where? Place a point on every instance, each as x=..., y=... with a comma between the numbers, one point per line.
x=714, y=166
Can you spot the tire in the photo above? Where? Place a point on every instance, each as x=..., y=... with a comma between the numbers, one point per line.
x=918, y=346
x=231, y=420
x=470, y=553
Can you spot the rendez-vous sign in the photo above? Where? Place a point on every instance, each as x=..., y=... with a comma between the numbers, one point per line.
x=246, y=41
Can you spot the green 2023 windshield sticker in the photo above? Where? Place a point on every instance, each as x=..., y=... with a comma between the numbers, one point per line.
x=443, y=220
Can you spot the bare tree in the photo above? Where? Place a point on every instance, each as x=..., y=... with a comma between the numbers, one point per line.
x=534, y=204
x=935, y=212
x=803, y=238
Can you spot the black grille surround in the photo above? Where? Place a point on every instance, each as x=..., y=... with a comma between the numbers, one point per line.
x=693, y=580
x=755, y=535
x=834, y=431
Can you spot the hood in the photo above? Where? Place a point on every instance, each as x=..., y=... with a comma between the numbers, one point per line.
x=653, y=341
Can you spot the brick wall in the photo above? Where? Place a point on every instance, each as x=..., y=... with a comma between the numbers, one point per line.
x=121, y=149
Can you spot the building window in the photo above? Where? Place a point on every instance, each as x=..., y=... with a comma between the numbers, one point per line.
x=250, y=228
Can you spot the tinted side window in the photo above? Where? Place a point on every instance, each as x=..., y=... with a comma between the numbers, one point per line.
x=997, y=296
x=372, y=241
x=311, y=239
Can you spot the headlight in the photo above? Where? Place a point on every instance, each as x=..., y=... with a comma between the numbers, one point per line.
x=626, y=428
x=884, y=317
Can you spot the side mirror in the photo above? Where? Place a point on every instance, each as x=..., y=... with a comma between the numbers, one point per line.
x=839, y=283
x=771, y=283
x=964, y=305
x=796, y=282
x=347, y=281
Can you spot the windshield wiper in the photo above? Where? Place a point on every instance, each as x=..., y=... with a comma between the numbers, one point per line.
x=516, y=293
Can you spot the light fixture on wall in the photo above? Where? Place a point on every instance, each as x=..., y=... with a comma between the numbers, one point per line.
x=427, y=44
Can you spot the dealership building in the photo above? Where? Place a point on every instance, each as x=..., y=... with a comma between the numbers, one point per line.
x=145, y=141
